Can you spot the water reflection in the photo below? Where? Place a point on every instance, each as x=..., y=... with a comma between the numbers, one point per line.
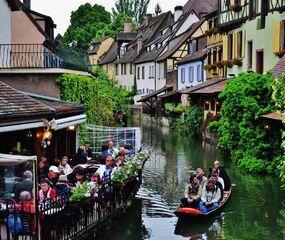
x=256, y=209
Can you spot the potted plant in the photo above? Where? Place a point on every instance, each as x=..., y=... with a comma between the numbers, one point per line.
x=83, y=191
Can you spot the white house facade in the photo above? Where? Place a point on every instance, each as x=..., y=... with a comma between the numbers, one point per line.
x=125, y=75
x=191, y=74
x=5, y=23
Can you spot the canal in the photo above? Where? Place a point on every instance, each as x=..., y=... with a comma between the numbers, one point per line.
x=255, y=211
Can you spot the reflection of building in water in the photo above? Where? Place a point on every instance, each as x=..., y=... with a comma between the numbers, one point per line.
x=182, y=173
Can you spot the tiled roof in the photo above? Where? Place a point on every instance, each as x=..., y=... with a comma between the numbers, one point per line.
x=155, y=93
x=150, y=56
x=129, y=56
x=126, y=36
x=177, y=42
x=14, y=104
x=111, y=54
x=273, y=116
x=170, y=94
x=207, y=83
x=279, y=68
x=211, y=89
x=200, y=6
x=193, y=57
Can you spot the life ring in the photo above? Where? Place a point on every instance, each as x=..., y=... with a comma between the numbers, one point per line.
x=189, y=210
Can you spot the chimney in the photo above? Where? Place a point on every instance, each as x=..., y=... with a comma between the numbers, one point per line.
x=140, y=44
x=128, y=26
x=27, y=3
x=178, y=10
x=147, y=18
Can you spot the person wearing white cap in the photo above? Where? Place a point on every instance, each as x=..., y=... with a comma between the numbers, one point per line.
x=52, y=175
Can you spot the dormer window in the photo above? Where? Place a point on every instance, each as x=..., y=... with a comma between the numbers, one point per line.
x=193, y=46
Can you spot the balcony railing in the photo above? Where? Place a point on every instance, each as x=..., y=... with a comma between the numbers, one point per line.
x=18, y=56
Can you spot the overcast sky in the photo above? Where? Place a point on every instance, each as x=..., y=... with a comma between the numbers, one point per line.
x=60, y=10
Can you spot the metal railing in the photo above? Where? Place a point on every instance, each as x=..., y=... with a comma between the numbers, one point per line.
x=60, y=219
x=17, y=56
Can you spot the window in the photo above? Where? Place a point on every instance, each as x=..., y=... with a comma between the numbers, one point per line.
x=125, y=68
x=199, y=73
x=122, y=69
x=191, y=74
x=117, y=69
x=138, y=73
x=149, y=72
x=214, y=55
x=213, y=104
x=209, y=57
x=230, y=46
x=259, y=61
x=282, y=35
x=193, y=46
x=182, y=75
x=131, y=68
x=249, y=55
x=239, y=44
x=206, y=105
x=142, y=72
x=220, y=54
x=252, y=9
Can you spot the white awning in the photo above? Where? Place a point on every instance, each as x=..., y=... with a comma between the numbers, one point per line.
x=13, y=160
x=66, y=122
x=61, y=123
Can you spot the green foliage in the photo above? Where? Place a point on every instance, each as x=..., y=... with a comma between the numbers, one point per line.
x=213, y=127
x=82, y=191
x=117, y=25
x=100, y=95
x=85, y=22
x=157, y=9
x=135, y=8
x=279, y=97
x=241, y=129
x=190, y=123
x=169, y=108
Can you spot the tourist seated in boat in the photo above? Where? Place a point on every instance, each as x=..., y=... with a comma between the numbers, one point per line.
x=105, y=171
x=26, y=185
x=79, y=157
x=104, y=153
x=62, y=188
x=46, y=195
x=214, y=177
x=211, y=195
x=52, y=175
x=224, y=175
x=112, y=150
x=218, y=178
x=129, y=150
x=64, y=167
x=87, y=153
x=192, y=193
x=200, y=176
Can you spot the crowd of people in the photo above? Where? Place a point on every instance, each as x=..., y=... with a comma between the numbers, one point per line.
x=58, y=179
x=205, y=193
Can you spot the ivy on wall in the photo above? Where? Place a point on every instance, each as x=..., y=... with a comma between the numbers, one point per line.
x=101, y=95
x=241, y=129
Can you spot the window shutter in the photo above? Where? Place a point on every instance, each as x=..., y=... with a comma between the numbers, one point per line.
x=225, y=47
x=235, y=45
x=243, y=44
x=276, y=37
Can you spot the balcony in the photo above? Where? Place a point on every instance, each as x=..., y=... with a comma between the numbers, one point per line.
x=37, y=56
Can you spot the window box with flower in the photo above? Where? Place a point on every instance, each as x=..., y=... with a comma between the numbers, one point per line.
x=237, y=61
x=280, y=53
x=219, y=64
x=228, y=63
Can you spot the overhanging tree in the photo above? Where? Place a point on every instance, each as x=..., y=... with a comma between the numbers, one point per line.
x=135, y=8
x=157, y=9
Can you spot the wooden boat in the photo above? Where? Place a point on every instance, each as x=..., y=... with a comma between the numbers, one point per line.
x=193, y=213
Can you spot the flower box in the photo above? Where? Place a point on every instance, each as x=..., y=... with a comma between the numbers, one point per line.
x=219, y=64
x=280, y=53
x=237, y=61
x=228, y=63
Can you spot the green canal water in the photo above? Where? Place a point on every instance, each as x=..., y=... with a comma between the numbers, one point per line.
x=255, y=211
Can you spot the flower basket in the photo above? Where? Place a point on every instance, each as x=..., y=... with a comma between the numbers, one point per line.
x=237, y=61
x=219, y=64
x=228, y=63
x=117, y=184
x=280, y=53
x=210, y=67
x=235, y=7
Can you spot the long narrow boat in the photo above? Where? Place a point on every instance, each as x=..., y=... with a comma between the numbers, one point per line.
x=193, y=213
